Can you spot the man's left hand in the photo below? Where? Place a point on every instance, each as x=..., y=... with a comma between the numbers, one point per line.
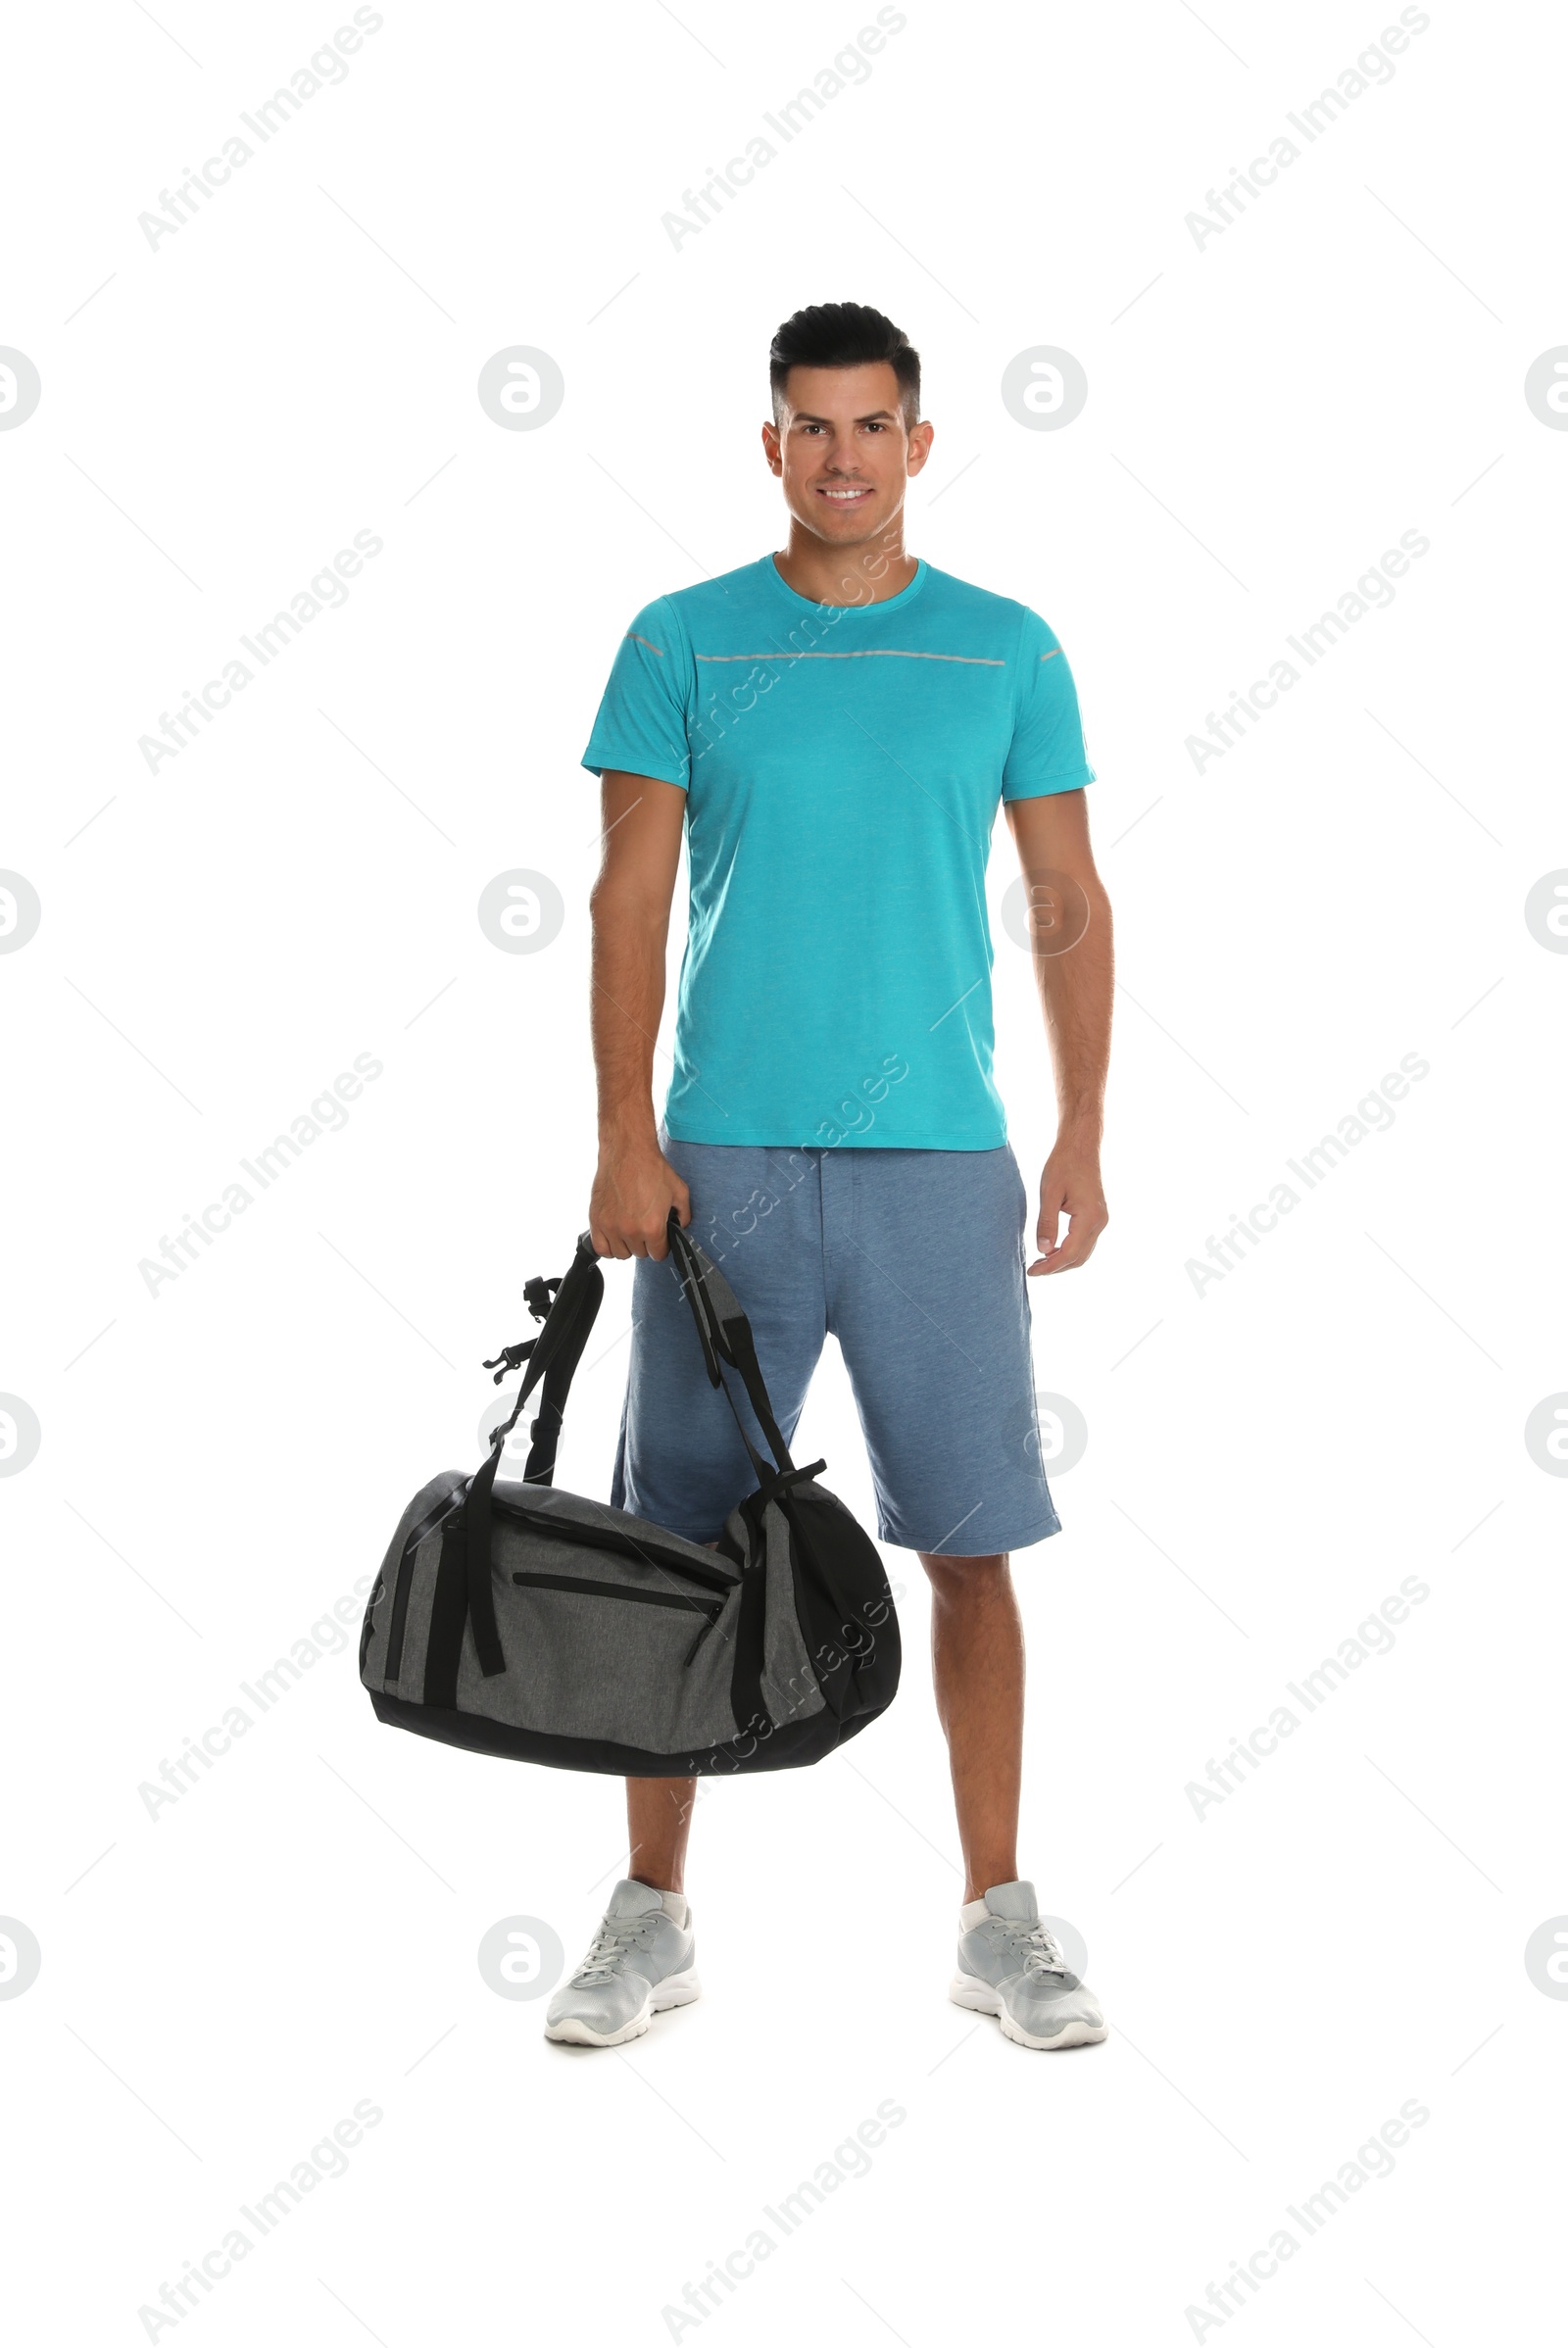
x=1070, y=1187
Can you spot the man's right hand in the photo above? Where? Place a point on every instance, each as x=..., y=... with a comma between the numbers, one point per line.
x=634, y=1189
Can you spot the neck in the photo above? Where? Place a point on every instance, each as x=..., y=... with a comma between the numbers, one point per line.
x=866, y=573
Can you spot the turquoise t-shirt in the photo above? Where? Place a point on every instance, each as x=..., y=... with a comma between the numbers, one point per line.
x=842, y=765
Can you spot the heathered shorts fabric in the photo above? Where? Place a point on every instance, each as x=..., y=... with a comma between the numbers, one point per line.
x=913, y=1259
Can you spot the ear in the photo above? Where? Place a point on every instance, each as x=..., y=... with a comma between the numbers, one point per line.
x=920, y=439
x=772, y=450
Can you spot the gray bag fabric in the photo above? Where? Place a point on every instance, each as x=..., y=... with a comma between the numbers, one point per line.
x=514, y=1619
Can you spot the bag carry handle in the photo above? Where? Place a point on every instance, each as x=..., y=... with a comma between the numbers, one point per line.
x=725, y=1336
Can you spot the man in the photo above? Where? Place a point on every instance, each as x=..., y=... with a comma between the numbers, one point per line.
x=833, y=727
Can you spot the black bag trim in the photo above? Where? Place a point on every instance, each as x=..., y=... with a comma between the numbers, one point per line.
x=397, y=1627
x=795, y=1745
x=842, y=1640
x=449, y=1615
x=751, y=1625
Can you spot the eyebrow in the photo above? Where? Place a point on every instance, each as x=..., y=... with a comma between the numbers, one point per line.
x=876, y=415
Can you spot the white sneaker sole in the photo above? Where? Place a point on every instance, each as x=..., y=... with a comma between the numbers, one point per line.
x=677, y=1989
x=980, y=1998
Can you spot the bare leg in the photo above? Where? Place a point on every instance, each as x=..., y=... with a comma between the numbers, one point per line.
x=977, y=1665
x=659, y=1819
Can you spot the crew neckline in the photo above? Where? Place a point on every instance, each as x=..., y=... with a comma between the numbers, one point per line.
x=888, y=603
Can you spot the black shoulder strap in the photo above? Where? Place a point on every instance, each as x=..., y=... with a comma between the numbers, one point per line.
x=552, y=1358
x=726, y=1337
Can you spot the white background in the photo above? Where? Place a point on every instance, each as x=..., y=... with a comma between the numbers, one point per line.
x=221, y=1461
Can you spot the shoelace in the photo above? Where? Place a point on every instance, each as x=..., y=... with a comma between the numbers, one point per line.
x=614, y=1939
x=1039, y=1949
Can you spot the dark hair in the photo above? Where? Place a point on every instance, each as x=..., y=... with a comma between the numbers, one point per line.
x=845, y=334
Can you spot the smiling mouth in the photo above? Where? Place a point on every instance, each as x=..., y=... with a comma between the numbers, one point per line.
x=846, y=496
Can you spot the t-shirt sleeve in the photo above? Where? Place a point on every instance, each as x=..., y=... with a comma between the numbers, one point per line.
x=1047, y=753
x=641, y=725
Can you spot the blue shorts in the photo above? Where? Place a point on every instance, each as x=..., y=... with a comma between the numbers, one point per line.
x=915, y=1259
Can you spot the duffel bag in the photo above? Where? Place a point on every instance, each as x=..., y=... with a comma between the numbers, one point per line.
x=514, y=1619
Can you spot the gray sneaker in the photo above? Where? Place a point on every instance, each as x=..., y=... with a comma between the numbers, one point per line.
x=1010, y=1966
x=642, y=1960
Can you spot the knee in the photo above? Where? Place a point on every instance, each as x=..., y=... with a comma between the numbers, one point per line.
x=964, y=1581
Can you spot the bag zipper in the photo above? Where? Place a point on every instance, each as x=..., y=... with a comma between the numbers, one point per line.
x=712, y=1608
x=593, y=1535
x=711, y=1624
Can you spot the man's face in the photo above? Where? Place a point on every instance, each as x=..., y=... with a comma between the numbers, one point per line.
x=842, y=451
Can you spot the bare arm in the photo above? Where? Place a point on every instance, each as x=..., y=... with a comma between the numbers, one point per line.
x=1071, y=930
x=634, y=1186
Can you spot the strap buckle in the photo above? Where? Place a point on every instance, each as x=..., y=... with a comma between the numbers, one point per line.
x=771, y=1484
x=537, y=1294
x=510, y=1357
